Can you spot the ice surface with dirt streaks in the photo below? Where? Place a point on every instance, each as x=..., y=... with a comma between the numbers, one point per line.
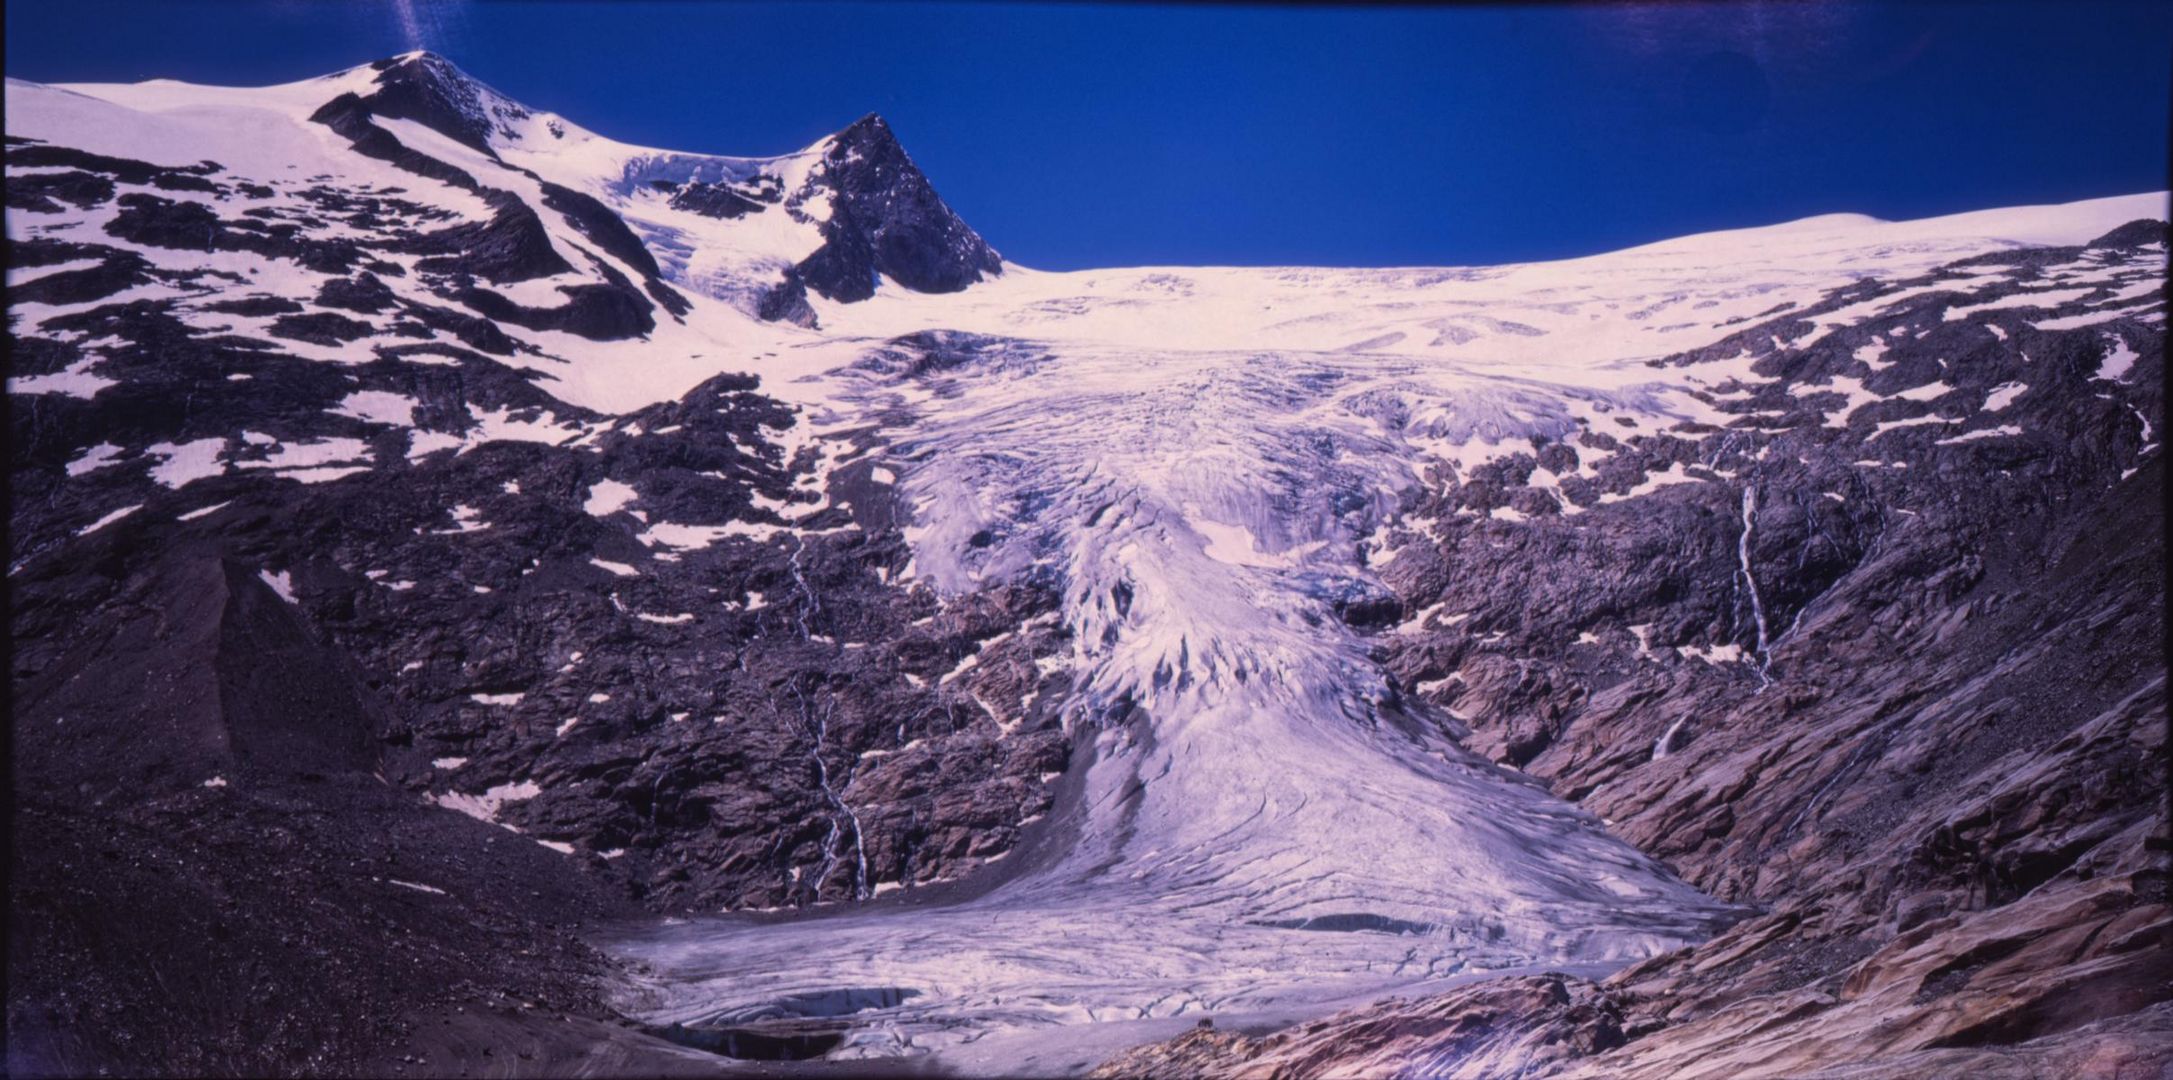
x=1265, y=820
x=1264, y=823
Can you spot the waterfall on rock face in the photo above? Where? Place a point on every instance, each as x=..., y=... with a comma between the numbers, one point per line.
x=1750, y=580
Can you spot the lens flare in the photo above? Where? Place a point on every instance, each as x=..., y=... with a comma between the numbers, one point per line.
x=427, y=24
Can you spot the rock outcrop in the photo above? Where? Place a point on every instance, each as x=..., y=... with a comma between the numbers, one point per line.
x=884, y=219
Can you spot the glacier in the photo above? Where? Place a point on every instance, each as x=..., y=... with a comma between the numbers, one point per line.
x=1267, y=827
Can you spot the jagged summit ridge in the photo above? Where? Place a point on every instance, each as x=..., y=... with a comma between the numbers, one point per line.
x=831, y=220
x=856, y=207
x=430, y=90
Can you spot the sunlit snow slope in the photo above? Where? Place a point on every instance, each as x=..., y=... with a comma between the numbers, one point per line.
x=1202, y=462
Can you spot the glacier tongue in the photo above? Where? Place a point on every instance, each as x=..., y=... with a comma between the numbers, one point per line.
x=1265, y=822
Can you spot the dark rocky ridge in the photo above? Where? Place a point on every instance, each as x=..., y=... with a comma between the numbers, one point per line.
x=349, y=115
x=513, y=245
x=428, y=89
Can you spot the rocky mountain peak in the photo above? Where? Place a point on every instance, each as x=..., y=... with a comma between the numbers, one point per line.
x=886, y=219
x=869, y=130
x=876, y=213
x=432, y=91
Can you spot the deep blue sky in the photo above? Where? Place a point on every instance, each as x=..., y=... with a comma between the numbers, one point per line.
x=1099, y=135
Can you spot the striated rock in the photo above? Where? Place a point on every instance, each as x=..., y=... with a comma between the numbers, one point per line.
x=1510, y=1026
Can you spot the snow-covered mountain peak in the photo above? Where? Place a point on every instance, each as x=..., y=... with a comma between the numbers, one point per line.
x=835, y=218
x=429, y=89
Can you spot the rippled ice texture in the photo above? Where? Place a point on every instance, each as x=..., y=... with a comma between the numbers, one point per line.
x=1265, y=820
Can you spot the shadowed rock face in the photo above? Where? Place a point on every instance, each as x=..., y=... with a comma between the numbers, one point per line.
x=429, y=90
x=885, y=219
x=204, y=868
x=467, y=583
